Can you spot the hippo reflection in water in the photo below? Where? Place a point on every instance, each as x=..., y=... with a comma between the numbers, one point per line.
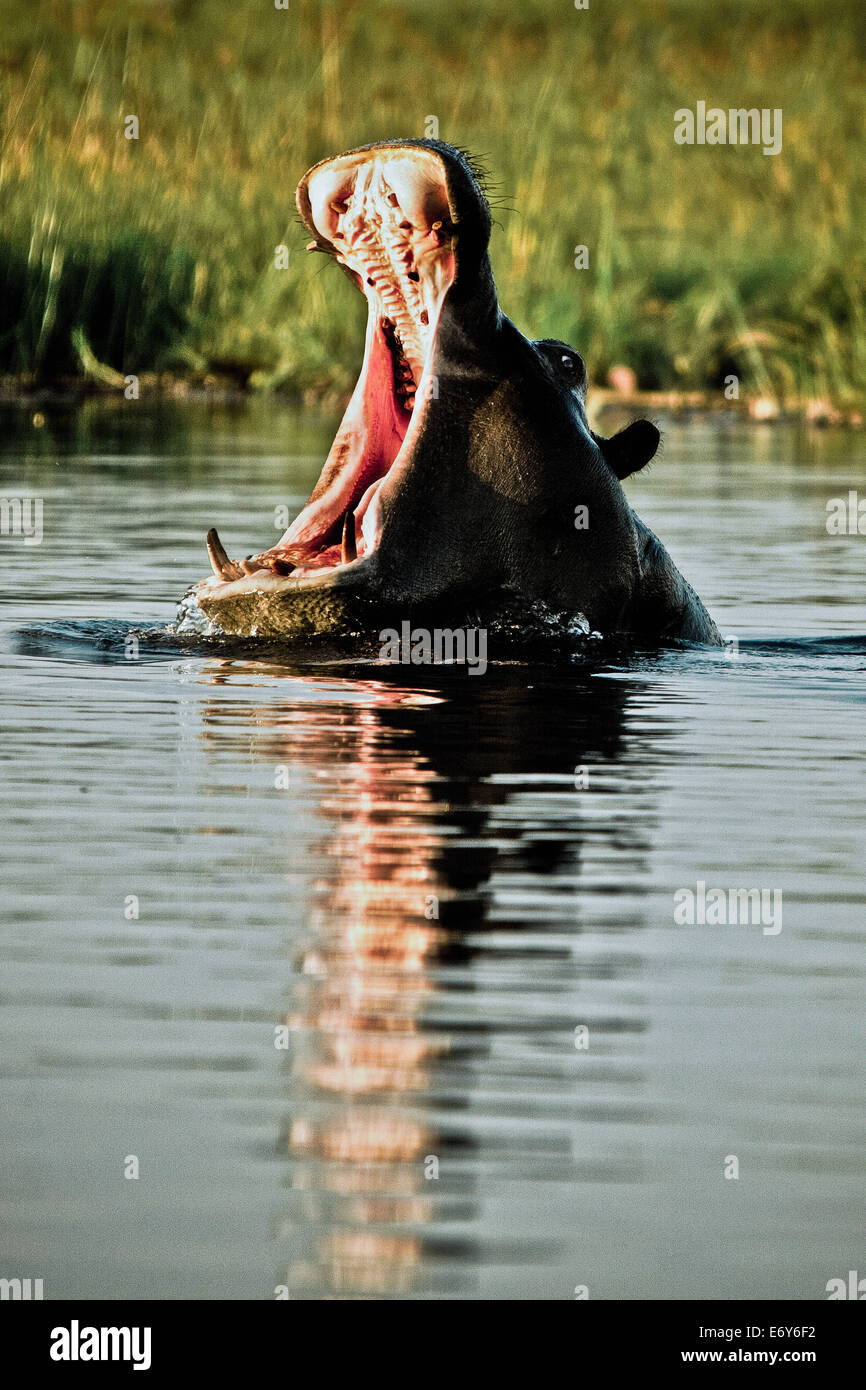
x=464, y=473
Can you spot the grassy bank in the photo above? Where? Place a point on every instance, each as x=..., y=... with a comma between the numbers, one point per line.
x=158, y=253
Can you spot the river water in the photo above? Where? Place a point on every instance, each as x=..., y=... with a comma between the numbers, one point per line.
x=374, y=975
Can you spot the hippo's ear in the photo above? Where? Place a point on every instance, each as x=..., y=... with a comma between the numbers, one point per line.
x=631, y=449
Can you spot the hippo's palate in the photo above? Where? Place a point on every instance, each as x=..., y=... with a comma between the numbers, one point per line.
x=384, y=214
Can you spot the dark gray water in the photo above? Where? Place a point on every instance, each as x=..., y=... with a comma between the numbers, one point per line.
x=169, y=904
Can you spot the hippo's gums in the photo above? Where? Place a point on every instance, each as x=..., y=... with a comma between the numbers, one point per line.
x=464, y=471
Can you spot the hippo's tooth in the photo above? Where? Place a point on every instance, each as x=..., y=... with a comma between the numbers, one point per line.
x=348, y=550
x=222, y=566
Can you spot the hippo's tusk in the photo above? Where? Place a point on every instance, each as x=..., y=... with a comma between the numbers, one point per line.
x=222, y=566
x=348, y=550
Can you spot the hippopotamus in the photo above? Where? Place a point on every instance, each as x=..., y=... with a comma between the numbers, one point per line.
x=464, y=472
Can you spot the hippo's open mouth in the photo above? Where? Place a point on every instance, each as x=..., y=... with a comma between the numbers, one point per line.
x=385, y=215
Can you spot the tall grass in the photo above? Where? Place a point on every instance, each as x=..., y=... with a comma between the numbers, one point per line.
x=158, y=253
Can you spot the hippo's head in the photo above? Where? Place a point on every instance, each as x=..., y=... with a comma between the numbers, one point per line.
x=464, y=465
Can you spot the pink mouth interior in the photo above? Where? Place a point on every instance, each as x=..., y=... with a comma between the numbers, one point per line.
x=385, y=215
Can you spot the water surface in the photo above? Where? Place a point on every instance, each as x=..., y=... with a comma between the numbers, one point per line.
x=391, y=873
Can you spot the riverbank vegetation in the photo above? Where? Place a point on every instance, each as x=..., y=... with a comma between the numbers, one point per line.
x=157, y=253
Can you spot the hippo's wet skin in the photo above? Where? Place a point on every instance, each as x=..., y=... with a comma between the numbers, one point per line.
x=464, y=471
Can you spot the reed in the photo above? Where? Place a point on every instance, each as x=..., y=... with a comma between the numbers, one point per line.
x=158, y=252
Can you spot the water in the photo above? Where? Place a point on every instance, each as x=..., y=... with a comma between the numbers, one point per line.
x=208, y=854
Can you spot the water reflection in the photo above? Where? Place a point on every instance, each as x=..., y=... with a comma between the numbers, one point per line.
x=433, y=1004
x=415, y=1036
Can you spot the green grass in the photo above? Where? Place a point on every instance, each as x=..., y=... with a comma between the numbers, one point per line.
x=158, y=253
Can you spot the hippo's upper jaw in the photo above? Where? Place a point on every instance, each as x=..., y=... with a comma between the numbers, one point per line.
x=464, y=461
x=386, y=216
